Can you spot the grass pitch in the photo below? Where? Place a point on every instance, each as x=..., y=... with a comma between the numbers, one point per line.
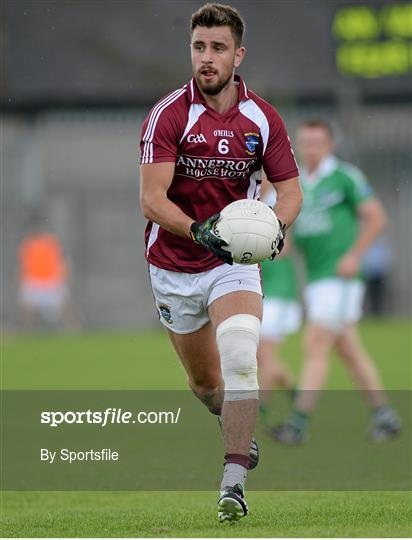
x=184, y=514
x=146, y=361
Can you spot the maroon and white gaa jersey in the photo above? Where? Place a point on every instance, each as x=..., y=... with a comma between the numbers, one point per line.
x=219, y=159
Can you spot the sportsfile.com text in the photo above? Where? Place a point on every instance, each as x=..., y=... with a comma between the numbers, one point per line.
x=109, y=416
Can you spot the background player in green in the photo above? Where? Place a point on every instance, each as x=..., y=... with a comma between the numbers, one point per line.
x=281, y=317
x=340, y=219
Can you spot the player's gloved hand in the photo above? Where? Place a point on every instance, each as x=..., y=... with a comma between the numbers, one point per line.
x=279, y=241
x=202, y=233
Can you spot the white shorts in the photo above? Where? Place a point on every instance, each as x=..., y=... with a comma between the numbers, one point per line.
x=334, y=302
x=44, y=297
x=182, y=299
x=280, y=318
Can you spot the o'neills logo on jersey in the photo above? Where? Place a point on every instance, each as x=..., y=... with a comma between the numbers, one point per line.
x=222, y=168
x=223, y=133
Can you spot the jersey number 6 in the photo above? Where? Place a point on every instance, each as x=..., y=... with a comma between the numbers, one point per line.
x=223, y=146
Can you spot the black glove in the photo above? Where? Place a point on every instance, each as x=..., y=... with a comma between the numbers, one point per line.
x=279, y=241
x=202, y=233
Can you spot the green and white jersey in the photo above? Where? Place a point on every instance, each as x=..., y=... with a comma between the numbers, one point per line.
x=327, y=226
x=279, y=279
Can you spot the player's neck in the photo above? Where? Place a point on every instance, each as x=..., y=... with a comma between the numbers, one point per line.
x=225, y=100
x=312, y=167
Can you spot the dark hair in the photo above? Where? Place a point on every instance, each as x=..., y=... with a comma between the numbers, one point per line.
x=318, y=123
x=219, y=15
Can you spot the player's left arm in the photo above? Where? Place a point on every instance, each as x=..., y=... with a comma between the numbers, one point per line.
x=288, y=203
x=373, y=220
x=291, y=194
x=289, y=199
x=281, y=170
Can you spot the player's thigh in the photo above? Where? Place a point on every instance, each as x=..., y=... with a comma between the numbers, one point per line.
x=199, y=355
x=180, y=299
x=235, y=290
x=235, y=303
x=348, y=343
x=318, y=339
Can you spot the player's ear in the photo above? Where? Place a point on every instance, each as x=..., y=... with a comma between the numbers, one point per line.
x=239, y=55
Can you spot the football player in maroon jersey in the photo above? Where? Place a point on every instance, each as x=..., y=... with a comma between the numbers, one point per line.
x=204, y=146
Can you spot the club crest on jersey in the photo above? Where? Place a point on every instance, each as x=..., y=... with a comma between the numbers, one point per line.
x=164, y=311
x=251, y=141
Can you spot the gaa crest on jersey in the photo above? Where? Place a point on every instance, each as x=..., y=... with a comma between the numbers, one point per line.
x=193, y=138
x=251, y=141
x=164, y=311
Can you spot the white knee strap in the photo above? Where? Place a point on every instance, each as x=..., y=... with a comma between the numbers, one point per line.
x=237, y=340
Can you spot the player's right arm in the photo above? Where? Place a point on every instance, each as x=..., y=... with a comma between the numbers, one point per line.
x=372, y=217
x=372, y=220
x=159, y=144
x=161, y=132
x=155, y=180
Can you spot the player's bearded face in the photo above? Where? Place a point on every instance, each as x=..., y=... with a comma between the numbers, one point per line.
x=214, y=58
x=214, y=86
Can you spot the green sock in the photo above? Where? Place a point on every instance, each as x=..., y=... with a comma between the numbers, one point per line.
x=264, y=413
x=292, y=393
x=299, y=420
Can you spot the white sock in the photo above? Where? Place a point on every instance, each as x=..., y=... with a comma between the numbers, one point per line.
x=233, y=474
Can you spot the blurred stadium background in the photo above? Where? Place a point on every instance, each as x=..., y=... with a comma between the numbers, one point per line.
x=79, y=77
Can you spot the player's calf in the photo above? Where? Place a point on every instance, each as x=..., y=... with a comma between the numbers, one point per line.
x=254, y=453
x=237, y=340
x=210, y=395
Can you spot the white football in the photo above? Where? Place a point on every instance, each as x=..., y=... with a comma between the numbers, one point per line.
x=250, y=229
